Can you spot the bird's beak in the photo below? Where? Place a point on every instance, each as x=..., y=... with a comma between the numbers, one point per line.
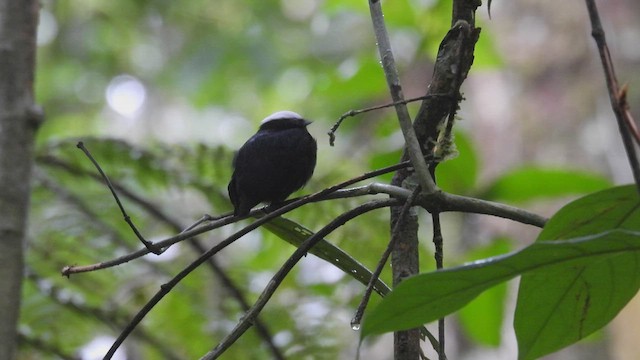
x=307, y=122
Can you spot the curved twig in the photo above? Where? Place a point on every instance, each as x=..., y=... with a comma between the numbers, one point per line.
x=149, y=245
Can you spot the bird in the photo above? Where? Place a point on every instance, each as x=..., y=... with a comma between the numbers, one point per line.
x=275, y=162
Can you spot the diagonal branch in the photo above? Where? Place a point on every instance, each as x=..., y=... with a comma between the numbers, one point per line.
x=393, y=81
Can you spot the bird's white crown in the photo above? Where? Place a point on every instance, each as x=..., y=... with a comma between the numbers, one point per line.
x=281, y=115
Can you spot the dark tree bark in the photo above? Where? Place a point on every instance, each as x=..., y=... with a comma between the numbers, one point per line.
x=18, y=120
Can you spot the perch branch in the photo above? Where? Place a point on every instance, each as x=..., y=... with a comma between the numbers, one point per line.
x=217, y=222
x=443, y=202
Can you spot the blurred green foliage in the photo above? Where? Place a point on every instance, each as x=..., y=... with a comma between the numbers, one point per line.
x=161, y=93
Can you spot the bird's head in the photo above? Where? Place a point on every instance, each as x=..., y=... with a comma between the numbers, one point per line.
x=283, y=120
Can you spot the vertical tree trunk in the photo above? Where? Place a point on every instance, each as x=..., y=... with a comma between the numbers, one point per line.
x=18, y=121
x=405, y=261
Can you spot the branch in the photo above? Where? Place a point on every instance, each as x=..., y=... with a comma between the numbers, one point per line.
x=452, y=202
x=445, y=202
x=438, y=254
x=622, y=115
x=391, y=74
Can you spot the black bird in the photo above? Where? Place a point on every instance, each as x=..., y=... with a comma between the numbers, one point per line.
x=278, y=160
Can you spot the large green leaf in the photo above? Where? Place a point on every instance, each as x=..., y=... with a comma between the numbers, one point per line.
x=532, y=183
x=424, y=298
x=561, y=304
x=587, y=242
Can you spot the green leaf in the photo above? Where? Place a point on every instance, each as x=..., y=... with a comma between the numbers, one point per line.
x=615, y=208
x=295, y=234
x=555, y=311
x=532, y=183
x=424, y=298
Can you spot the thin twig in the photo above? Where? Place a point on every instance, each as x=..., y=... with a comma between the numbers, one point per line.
x=612, y=86
x=350, y=113
x=149, y=245
x=300, y=252
x=204, y=219
x=393, y=81
x=357, y=318
x=624, y=105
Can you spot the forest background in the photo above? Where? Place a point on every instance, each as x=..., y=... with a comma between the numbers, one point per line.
x=162, y=93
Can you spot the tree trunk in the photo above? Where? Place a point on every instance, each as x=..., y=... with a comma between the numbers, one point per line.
x=405, y=262
x=18, y=121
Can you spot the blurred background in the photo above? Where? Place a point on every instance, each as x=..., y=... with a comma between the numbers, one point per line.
x=163, y=92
